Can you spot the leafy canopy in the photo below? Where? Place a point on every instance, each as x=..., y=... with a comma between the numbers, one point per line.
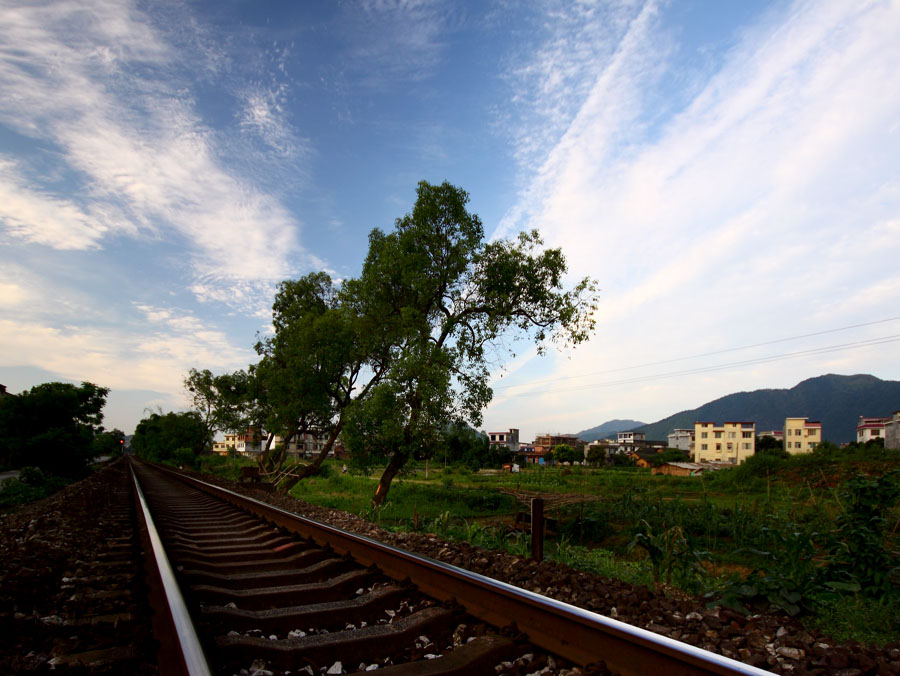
x=52, y=426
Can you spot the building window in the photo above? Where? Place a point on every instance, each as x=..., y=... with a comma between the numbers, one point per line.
x=718, y=435
x=746, y=447
x=812, y=445
x=703, y=435
x=732, y=435
x=748, y=435
x=718, y=447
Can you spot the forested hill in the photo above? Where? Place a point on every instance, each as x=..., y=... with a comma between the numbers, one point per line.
x=608, y=428
x=836, y=401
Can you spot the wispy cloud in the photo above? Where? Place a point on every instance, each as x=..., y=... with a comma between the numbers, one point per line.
x=748, y=211
x=394, y=42
x=264, y=115
x=95, y=82
x=40, y=217
x=572, y=44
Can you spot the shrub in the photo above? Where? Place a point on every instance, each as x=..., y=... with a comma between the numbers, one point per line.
x=32, y=476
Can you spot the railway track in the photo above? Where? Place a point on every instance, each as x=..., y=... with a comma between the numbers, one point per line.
x=272, y=592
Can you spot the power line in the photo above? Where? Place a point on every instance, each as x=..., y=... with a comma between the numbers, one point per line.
x=708, y=369
x=701, y=354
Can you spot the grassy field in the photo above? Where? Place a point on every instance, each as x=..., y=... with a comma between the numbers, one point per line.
x=770, y=536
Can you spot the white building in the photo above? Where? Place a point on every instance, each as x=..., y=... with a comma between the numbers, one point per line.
x=681, y=439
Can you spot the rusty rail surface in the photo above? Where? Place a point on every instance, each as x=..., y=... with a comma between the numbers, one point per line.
x=575, y=634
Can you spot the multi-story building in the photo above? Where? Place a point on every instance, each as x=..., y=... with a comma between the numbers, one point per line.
x=220, y=447
x=801, y=435
x=547, y=442
x=252, y=442
x=892, y=432
x=509, y=439
x=249, y=442
x=731, y=442
x=868, y=429
x=777, y=435
x=681, y=439
x=630, y=438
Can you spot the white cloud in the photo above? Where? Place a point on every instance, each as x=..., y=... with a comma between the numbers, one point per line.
x=765, y=207
x=150, y=354
x=398, y=41
x=97, y=81
x=264, y=115
x=36, y=216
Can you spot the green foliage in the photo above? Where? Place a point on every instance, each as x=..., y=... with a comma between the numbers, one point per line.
x=596, y=455
x=185, y=457
x=669, y=455
x=31, y=485
x=621, y=460
x=670, y=554
x=448, y=296
x=109, y=443
x=227, y=402
x=853, y=617
x=860, y=551
x=790, y=580
x=566, y=453
x=769, y=444
x=52, y=426
x=32, y=476
x=160, y=436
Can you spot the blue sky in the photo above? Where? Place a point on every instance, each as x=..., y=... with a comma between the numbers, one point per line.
x=728, y=173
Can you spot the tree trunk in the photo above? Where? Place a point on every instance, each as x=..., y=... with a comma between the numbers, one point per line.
x=398, y=459
x=312, y=468
x=263, y=457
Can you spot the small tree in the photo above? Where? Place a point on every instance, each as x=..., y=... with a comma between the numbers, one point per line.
x=566, y=453
x=596, y=455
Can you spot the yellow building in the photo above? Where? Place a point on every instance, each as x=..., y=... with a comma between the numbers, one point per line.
x=801, y=435
x=730, y=442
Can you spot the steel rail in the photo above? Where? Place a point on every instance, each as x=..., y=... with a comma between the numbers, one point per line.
x=579, y=635
x=180, y=650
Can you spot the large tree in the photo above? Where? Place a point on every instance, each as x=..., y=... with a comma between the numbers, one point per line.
x=447, y=297
x=161, y=436
x=325, y=351
x=226, y=402
x=52, y=426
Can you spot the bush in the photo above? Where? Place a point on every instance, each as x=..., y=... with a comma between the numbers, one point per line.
x=184, y=457
x=32, y=476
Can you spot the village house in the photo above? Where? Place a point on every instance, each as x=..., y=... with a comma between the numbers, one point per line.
x=801, y=435
x=732, y=441
x=689, y=468
x=892, y=432
x=547, y=442
x=509, y=439
x=681, y=439
x=777, y=435
x=869, y=429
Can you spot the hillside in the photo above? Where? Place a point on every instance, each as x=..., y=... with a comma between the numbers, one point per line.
x=608, y=428
x=834, y=400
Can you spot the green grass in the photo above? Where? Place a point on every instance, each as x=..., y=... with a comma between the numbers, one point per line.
x=730, y=518
x=865, y=620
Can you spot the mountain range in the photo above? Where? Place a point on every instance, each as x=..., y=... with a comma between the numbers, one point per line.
x=834, y=400
x=609, y=428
